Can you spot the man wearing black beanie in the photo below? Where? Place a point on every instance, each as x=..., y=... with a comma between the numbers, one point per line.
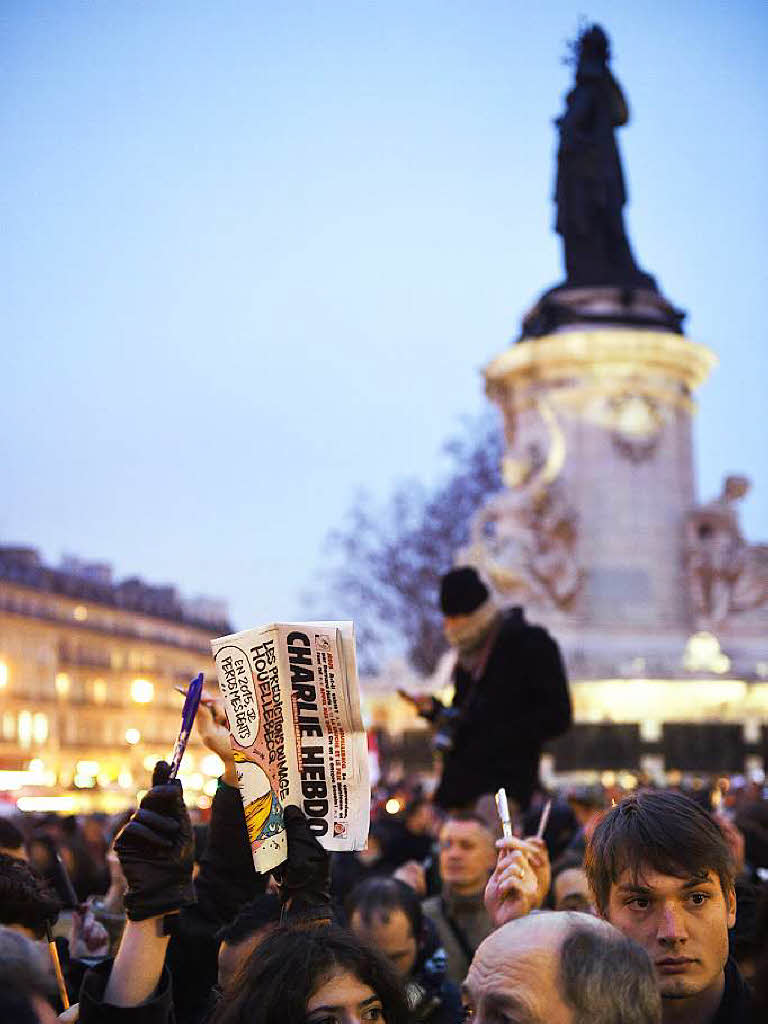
x=511, y=694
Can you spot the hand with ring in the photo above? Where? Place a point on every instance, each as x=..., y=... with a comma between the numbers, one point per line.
x=512, y=889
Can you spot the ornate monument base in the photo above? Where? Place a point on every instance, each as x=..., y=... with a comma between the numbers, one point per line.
x=660, y=606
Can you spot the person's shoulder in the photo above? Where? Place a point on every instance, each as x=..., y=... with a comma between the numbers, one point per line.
x=736, y=1001
x=432, y=906
x=514, y=625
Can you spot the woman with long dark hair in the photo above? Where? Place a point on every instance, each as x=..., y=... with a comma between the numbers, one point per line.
x=313, y=975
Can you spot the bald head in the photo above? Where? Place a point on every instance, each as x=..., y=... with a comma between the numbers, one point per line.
x=561, y=968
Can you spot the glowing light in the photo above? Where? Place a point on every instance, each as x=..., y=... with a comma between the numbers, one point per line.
x=104, y=779
x=37, y=765
x=204, y=802
x=142, y=691
x=84, y=781
x=25, y=728
x=9, y=725
x=392, y=806
x=62, y=684
x=80, y=613
x=650, y=730
x=608, y=779
x=125, y=779
x=149, y=762
x=46, y=803
x=3, y=675
x=703, y=654
x=99, y=691
x=132, y=736
x=87, y=768
x=39, y=727
x=15, y=780
x=210, y=787
x=212, y=764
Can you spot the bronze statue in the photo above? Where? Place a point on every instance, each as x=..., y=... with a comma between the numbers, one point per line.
x=590, y=192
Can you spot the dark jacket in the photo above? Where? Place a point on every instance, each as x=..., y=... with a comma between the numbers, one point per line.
x=461, y=924
x=736, y=1003
x=432, y=996
x=520, y=700
x=93, y=1009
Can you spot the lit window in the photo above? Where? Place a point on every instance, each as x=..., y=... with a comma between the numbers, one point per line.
x=132, y=736
x=142, y=691
x=99, y=691
x=62, y=684
x=25, y=728
x=3, y=675
x=80, y=613
x=9, y=725
x=39, y=727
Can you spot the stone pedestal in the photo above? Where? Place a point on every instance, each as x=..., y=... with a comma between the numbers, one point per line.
x=600, y=475
x=599, y=536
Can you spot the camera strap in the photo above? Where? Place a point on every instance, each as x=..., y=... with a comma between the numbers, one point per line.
x=458, y=932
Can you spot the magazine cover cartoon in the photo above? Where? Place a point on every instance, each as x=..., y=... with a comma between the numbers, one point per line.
x=256, y=773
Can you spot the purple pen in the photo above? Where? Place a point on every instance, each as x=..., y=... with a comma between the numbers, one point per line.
x=191, y=704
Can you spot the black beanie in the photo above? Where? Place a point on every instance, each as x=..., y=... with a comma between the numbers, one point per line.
x=462, y=591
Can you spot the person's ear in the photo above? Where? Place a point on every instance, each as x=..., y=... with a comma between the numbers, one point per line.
x=730, y=899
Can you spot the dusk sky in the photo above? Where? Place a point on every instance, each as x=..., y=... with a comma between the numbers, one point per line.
x=255, y=256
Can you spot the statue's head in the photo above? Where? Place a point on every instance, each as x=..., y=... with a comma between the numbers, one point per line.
x=590, y=52
x=593, y=45
x=735, y=487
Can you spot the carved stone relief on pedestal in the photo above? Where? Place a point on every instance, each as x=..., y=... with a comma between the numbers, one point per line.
x=726, y=574
x=524, y=539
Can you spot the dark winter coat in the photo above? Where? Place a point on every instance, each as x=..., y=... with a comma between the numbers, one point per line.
x=520, y=700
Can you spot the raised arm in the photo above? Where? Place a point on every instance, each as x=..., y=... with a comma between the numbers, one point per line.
x=156, y=851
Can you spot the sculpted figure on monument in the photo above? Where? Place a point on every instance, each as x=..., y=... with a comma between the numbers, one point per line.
x=524, y=540
x=590, y=192
x=725, y=573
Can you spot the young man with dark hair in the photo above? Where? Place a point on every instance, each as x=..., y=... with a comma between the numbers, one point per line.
x=387, y=914
x=660, y=871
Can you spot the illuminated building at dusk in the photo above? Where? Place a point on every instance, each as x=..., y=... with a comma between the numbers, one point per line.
x=88, y=670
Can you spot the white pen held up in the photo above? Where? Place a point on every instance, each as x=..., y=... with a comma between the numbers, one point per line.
x=503, y=810
x=544, y=819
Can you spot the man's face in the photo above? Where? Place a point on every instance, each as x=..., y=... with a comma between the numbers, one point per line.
x=513, y=980
x=467, y=855
x=682, y=923
x=572, y=891
x=392, y=936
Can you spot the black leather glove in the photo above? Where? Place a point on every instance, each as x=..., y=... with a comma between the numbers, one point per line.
x=156, y=851
x=305, y=877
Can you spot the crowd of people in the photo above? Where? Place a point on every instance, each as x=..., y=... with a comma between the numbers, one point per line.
x=598, y=907
x=639, y=908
